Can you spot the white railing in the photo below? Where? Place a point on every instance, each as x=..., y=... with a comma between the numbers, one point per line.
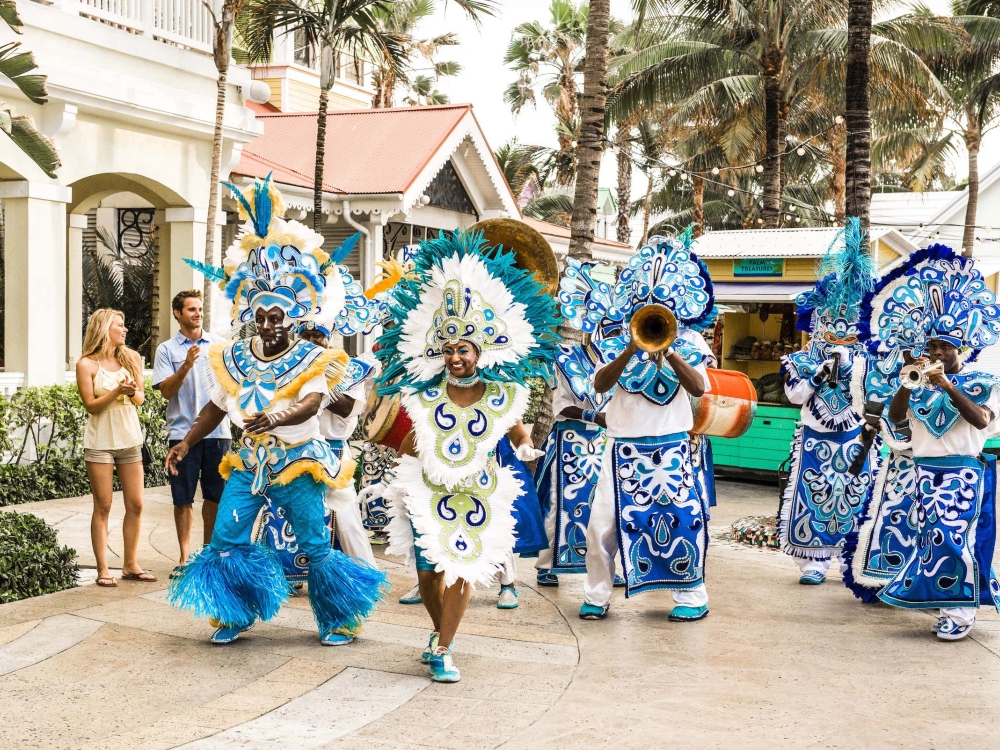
x=183, y=23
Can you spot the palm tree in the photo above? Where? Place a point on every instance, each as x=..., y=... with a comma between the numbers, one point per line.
x=623, y=153
x=332, y=27
x=914, y=159
x=523, y=166
x=401, y=19
x=17, y=65
x=972, y=107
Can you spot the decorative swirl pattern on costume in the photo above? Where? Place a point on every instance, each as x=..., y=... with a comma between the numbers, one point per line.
x=259, y=379
x=659, y=385
x=664, y=272
x=577, y=366
x=832, y=405
x=661, y=519
x=933, y=408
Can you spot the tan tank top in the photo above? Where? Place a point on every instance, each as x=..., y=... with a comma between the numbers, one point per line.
x=117, y=425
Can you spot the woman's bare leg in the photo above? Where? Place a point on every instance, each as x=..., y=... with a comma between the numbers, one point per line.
x=101, y=476
x=432, y=592
x=456, y=600
x=130, y=476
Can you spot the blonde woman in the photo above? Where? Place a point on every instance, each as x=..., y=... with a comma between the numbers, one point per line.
x=109, y=376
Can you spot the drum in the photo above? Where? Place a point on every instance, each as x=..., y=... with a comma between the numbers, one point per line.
x=728, y=409
x=386, y=421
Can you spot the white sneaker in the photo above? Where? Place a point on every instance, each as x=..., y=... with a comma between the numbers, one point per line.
x=507, y=598
x=412, y=596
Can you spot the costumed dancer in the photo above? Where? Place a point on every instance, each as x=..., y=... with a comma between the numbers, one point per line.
x=529, y=524
x=938, y=306
x=822, y=500
x=887, y=524
x=566, y=477
x=275, y=273
x=470, y=328
x=646, y=507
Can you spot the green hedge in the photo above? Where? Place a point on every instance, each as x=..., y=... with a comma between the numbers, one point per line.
x=31, y=561
x=59, y=470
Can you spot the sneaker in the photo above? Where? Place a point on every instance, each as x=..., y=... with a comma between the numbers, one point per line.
x=339, y=637
x=682, y=613
x=508, y=598
x=950, y=630
x=619, y=582
x=940, y=621
x=412, y=596
x=229, y=633
x=812, y=578
x=592, y=612
x=442, y=666
x=379, y=538
x=546, y=578
x=432, y=645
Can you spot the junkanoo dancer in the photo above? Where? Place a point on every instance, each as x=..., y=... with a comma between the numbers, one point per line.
x=470, y=328
x=822, y=500
x=567, y=475
x=275, y=273
x=938, y=306
x=646, y=507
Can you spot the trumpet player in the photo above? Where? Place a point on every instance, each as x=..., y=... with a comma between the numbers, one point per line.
x=646, y=507
x=822, y=499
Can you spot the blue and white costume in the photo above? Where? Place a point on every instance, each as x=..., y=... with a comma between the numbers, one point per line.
x=566, y=476
x=822, y=500
x=274, y=263
x=938, y=294
x=702, y=461
x=646, y=507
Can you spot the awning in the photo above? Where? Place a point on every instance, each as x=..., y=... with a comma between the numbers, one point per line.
x=764, y=291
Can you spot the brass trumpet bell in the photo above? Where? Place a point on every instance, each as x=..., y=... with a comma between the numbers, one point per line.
x=653, y=328
x=532, y=251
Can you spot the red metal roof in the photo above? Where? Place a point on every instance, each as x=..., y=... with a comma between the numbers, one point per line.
x=369, y=151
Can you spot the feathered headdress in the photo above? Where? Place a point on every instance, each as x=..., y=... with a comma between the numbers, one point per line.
x=460, y=289
x=664, y=272
x=935, y=294
x=279, y=263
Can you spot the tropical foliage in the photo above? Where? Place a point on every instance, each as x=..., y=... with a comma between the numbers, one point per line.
x=18, y=65
x=32, y=562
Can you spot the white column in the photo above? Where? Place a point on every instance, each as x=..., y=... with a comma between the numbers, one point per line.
x=187, y=240
x=35, y=280
x=74, y=288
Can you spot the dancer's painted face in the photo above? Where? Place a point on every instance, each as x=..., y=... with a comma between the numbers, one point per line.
x=271, y=327
x=461, y=359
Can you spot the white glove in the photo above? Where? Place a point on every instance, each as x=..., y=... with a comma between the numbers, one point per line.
x=371, y=492
x=527, y=452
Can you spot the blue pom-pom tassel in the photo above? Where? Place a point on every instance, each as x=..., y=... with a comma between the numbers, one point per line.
x=237, y=586
x=344, y=590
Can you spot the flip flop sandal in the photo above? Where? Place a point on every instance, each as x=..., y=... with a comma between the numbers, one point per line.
x=144, y=577
x=113, y=584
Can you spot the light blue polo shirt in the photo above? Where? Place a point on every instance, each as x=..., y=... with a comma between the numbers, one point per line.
x=195, y=392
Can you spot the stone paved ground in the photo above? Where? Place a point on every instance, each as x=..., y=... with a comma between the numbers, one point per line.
x=775, y=665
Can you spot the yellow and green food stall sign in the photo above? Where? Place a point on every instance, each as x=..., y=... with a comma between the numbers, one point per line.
x=758, y=267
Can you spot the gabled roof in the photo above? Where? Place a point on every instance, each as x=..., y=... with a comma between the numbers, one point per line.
x=807, y=242
x=374, y=152
x=558, y=237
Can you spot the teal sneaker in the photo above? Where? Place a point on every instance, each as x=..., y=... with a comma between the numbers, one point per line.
x=546, y=578
x=412, y=596
x=432, y=645
x=442, y=666
x=229, y=633
x=592, y=612
x=508, y=598
x=619, y=582
x=681, y=613
x=333, y=638
x=812, y=578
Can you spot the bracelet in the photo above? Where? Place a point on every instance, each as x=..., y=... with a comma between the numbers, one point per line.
x=590, y=415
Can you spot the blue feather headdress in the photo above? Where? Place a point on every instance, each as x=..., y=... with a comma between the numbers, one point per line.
x=935, y=294
x=664, y=272
x=279, y=263
x=460, y=289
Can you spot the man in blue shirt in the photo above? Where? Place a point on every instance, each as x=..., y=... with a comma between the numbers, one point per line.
x=179, y=375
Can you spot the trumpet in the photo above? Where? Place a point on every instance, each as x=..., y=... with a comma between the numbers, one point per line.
x=914, y=377
x=653, y=328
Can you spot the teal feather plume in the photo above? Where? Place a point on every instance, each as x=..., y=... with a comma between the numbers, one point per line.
x=212, y=273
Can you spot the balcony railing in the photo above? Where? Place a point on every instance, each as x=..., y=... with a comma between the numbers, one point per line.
x=184, y=23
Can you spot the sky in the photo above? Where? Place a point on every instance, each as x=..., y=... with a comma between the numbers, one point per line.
x=484, y=77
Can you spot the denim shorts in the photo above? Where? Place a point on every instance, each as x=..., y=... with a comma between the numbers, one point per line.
x=202, y=461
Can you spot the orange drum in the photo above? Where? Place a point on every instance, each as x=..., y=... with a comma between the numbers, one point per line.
x=728, y=409
x=386, y=421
